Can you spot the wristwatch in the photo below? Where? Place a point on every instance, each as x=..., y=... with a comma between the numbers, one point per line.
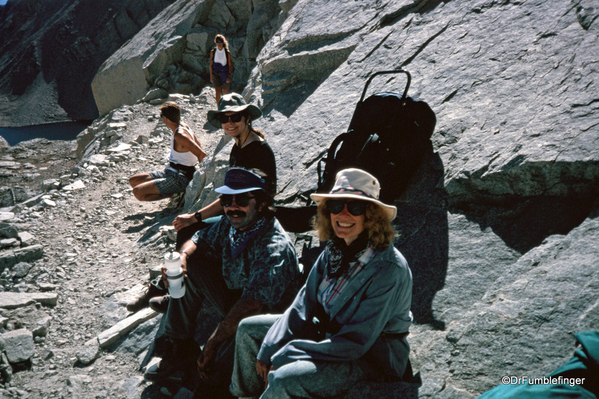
x=198, y=216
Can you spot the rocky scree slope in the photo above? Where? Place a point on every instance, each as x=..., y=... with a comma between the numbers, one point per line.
x=500, y=224
x=82, y=248
x=50, y=51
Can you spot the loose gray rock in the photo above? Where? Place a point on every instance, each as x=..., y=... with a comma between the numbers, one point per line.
x=21, y=269
x=41, y=327
x=132, y=386
x=8, y=231
x=50, y=184
x=8, y=243
x=13, y=300
x=11, y=257
x=5, y=369
x=18, y=345
x=27, y=239
x=88, y=352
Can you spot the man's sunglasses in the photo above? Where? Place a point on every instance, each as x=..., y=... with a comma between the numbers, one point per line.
x=222, y=118
x=242, y=200
x=355, y=207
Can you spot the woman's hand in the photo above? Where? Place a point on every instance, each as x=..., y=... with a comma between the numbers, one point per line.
x=184, y=220
x=263, y=369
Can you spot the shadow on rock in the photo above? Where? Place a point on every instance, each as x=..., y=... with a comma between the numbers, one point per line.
x=423, y=236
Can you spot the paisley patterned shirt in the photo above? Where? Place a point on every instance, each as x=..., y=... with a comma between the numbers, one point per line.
x=265, y=270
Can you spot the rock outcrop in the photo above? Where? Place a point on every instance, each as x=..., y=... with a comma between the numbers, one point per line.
x=172, y=52
x=50, y=52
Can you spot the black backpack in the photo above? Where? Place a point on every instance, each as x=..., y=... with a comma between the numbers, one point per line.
x=388, y=136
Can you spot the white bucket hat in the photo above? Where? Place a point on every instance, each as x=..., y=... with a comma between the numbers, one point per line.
x=358, y=184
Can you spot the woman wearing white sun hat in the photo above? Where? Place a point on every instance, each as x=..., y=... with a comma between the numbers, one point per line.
x=350, y=321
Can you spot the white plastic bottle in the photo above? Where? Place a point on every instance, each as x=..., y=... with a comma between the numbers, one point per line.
x=174, y=274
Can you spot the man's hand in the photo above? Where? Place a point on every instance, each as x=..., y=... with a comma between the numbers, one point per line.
x=228, y=79
x=206, y=359
x=184, y=220
x=263, y=369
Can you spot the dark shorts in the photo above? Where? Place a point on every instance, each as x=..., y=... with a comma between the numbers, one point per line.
x=169, y=181
x=216, y=80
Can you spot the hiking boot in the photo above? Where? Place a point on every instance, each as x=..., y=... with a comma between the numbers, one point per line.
x=180, y=354
x=160, y=304
x=143, y=301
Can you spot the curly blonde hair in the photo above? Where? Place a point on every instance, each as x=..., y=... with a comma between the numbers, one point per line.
x=376, y=222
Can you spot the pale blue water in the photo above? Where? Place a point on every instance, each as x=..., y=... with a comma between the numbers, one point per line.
x=51, y=131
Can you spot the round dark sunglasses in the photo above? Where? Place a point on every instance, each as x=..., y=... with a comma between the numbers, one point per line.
x=222, y=118
x=219, y=41
x=355, y=207
x=242, y=200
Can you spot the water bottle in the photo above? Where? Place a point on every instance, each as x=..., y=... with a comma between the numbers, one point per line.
x=174, y=274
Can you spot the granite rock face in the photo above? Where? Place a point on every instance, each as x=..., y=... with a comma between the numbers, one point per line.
x=51, y=51
x=498, y=223
x=172, y=52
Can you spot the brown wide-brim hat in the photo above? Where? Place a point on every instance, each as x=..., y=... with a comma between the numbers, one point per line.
x=232, y=103
x=357, y=184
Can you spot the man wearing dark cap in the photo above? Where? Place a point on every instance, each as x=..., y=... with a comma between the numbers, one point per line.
x=244, y=265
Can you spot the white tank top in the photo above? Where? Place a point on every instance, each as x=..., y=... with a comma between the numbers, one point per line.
x=182, y=158
x=220, y=56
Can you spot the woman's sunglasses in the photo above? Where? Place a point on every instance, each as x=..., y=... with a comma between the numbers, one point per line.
x=355, y=207
x=222, y=118
x=219, y=41
x=242, y=200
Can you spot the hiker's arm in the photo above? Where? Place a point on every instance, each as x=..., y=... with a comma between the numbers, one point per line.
x=244, y=307
x=187, y=219
x=230, y=67
x=188, y=143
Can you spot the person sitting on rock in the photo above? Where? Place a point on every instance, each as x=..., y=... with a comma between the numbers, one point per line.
x=250, y=151
x=221, y=67
x=185, y=153
x=244, y=265
x=350, y=320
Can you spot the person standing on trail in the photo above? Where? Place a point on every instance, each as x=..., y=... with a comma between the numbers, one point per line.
x=221, y=66
x=185, y=152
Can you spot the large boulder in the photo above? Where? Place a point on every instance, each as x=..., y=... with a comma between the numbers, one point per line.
x=498, y=223
x=172, y=52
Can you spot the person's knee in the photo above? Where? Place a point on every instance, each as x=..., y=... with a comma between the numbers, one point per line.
x=139, y=193
x=133, y=181
x=294, y=379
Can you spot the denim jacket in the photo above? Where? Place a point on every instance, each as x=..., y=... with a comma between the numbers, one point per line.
x=377, y=301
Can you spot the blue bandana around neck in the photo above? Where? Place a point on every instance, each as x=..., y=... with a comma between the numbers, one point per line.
x=240, y=239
